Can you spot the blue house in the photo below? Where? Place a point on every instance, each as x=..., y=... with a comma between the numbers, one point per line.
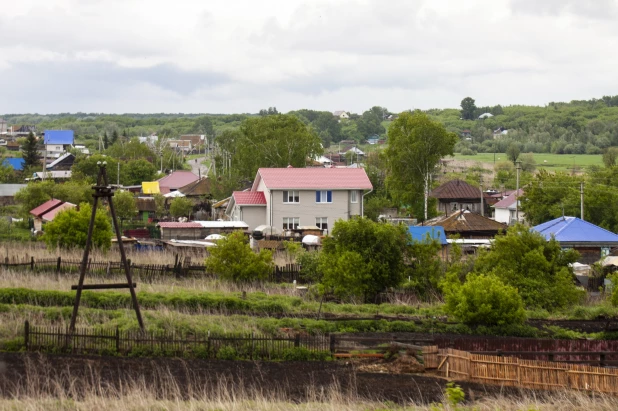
x=425, y=234
x=591, y=241
x=16, y=163
x=57, y=142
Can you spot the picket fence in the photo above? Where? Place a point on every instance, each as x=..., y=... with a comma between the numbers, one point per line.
x=516, y=372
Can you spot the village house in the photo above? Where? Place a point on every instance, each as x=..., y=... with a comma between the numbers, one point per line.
x=505, y=210
x=7, y=193
x=64, y=162
x=467, y=225
x=341, y=115
x=47, y=211
x=590, y=241
x=457, y=195
x=176, y=180
x=198, y=230
x=181, y=145
x=287, y=198
x=3, y=126
x=24, y=130
x=57, y=143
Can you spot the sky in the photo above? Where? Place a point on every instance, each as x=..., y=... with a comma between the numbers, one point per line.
x=237, y=56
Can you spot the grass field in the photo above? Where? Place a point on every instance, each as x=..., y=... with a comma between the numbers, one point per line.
x=552, y=162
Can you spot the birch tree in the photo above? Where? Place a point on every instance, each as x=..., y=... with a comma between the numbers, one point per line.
x=415, y=146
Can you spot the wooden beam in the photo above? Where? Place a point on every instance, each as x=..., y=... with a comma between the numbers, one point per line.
x=103, y=286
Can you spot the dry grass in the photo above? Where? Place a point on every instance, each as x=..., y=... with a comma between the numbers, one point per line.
x=53, y=389
x=11, y=278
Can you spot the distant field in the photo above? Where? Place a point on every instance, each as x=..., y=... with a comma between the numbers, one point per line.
x=554, y=162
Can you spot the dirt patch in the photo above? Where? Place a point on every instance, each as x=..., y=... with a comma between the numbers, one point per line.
x=400, y=365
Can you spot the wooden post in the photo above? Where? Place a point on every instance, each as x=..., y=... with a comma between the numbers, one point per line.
x=602, y=359
x=297, y=340
x=31, y=263
x=27, y=334
x=551, y=357
x=58, y=262
x=244, y=295
x=332, y=343
x=117, y=340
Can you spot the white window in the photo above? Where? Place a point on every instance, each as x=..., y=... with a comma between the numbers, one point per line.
x=324, y=196
x=291, y=197
x=321, y=223
x=353, y=196
x=291, y=223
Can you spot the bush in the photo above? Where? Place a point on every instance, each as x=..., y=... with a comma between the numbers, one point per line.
x=484, y=300
x=468, y=152
x=303, y=354
x=227, y=353
x=233, y=259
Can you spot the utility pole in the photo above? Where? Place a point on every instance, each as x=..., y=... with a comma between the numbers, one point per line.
x=517, y=193
x=118, y=175
x=581, y=193
x=482, y=205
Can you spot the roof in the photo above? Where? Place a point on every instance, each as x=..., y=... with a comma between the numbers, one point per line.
x=339, y=112
x=456, y=189
x=249, y=198
x=177, y=179
x=58, y=137
x=180, y=225
x=50, y=215
x=575, y=230
x=420, y=233
x=59, y=160
x=174, y=194
x=16, y=163
x=508, y=201
x=314, y=178
x=54, y=174
x=200, y=187
x=45, y=207
x=150, y=187
x=466, y=221
x=9, y=190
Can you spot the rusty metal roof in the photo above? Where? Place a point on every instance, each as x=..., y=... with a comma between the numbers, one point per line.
x=456, y=189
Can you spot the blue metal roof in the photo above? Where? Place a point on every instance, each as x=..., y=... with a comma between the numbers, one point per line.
x=58, y=137
x=423, y=233
x=16, y=163
x=575, y=230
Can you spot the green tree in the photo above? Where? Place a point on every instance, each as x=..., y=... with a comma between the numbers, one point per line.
x=484, y=300
x=137, y=171
x=610, y=156
x=29, y=151
x=33, y=195
x=105, y=141
x=512, y=152
x=232, y=259
x=7, y=174
x=416, y=145
x=181, y=207
x=130, y=150
x=528, y=164
x=369, y=124
x=551, y=195
x=114, y=138
x=203, y=125
x=70, y=229
x=427, y=268
x=159, y=200
x=538, y=268
x=362, y=258
x=468, y=108
x=125, y=205
x=270, y=141
x=87, y=168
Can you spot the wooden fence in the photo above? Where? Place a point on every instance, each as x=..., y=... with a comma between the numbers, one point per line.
x=521, y=373
x=206, y=345
x=144, y=272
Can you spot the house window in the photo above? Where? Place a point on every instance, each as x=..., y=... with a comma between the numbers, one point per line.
x=324, y=196
x=321, y=223
x=291, y=197
x=291, y=223
x=353, y=196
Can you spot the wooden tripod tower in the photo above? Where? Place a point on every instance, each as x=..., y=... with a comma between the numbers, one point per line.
x=103, y=190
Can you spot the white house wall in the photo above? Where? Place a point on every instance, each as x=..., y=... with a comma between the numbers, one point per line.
x=502, y=215
x=307, y=209
x=253, y=215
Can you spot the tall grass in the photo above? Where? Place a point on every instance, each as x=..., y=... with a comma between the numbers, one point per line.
x=47, y=388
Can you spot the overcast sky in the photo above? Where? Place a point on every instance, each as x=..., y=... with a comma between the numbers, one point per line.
x=214, y=56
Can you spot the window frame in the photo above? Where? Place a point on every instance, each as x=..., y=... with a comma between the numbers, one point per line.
x=295, y=195
x=321, y=225
x=354, y=197
x=324, y=199
x=295, y=221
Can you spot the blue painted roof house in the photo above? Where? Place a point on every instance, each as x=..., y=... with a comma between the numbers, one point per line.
x=423, y=233
x=60, y=137
x=591, y=241
x=16, y=163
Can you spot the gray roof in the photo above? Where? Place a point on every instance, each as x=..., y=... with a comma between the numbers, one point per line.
x=9, y=190
x=58, y=160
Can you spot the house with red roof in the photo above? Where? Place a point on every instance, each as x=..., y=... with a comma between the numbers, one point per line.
x=505, y=210
x=176, y=180
x=47, y=211
x=288, y=198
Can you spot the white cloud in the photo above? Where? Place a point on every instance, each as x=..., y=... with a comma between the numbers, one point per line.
x=241, y=55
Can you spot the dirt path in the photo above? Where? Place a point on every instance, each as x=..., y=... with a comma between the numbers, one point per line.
x=198, y=167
